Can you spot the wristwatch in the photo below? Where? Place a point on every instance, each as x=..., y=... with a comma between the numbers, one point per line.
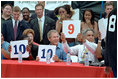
x=99, y=41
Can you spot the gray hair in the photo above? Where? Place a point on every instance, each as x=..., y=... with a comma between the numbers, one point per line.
x=51, y=31
x=86, y=30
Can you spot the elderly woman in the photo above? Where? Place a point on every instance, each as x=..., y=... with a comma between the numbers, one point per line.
x=30, y=34
x=64, y=13
x=32, y=46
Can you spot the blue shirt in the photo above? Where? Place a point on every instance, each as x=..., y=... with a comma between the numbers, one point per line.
x=5, y=46
x=60, y=52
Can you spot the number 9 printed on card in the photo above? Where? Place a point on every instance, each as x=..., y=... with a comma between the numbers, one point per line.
x=71, y=28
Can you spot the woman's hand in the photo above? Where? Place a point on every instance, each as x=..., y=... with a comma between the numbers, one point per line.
x=63, y=17
x=9, y=49
x=88, y=21
x=37, y=58
x=28, y=48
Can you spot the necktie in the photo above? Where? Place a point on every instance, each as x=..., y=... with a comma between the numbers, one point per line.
x=15, y=30
x=40, y=28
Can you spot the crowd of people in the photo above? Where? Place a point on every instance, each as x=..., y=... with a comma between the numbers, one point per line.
x=44, y=27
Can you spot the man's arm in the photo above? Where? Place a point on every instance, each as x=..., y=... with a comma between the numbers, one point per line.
x=73, y=50
x=5, y=53
x=4, y=50
x=98, y=49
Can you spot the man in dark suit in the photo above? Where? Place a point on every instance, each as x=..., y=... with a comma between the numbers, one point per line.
x=46, y=12
x=12, y=29
x=41, y=25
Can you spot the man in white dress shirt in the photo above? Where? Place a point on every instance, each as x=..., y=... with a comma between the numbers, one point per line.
x=93, y=49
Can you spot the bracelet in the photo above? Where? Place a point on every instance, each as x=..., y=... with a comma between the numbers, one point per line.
x=99, y=41
x=60, y=22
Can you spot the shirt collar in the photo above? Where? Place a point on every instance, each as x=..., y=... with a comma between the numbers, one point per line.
x=58, y=45
x=14, y=20
x=7, y=19
x=2, y=43
x=42, y=18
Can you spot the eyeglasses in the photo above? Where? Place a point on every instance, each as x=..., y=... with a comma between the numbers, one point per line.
x=7, y=8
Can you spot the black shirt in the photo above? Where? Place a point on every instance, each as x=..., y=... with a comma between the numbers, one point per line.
x=111, y=40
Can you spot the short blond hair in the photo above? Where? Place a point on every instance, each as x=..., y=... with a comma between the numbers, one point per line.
x=28, y=31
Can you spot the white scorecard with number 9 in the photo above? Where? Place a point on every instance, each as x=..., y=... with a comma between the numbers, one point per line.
x=44, y=49
x=71, y=28
x=17, y=46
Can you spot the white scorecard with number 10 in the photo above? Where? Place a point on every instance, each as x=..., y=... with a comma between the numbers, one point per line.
x=71, y=28
x=17, y=46
x=44, y=49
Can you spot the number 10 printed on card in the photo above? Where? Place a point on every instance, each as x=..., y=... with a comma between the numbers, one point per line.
x=44, y=49
x=71, y=28
x=19, y=46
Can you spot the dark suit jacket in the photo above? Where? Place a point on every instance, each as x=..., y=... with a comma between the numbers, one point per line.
x=34, y=51
x=49, y=24
x=49, y=13
x=8, y=32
